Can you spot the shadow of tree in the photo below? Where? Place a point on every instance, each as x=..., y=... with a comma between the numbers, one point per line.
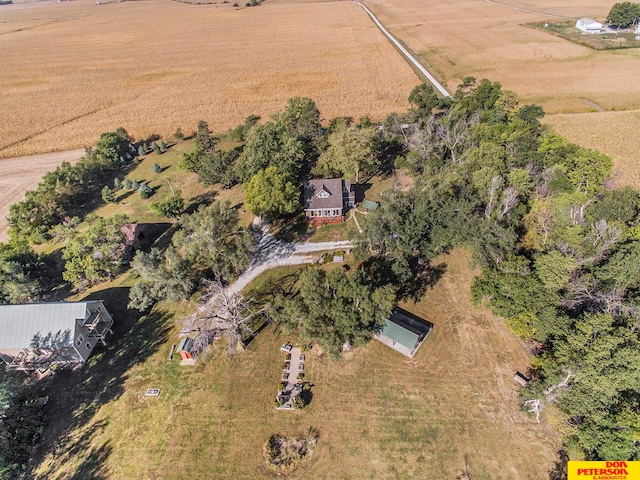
x=560, y=469
x=293, y=228
x=76, y=396
x=206, y=199
x=380, y=272
x=425, y=279
x=93, y=466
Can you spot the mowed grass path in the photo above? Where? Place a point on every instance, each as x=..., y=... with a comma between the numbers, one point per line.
x=380, y=415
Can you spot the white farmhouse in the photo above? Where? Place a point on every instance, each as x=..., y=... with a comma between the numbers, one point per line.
x=588, y=25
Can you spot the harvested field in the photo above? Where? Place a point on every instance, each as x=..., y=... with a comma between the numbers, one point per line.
x=613, y=133
x=379, y=414
x=486, y=40
x=72, y=70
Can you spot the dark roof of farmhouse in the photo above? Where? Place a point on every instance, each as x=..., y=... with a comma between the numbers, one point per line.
x=324, y=193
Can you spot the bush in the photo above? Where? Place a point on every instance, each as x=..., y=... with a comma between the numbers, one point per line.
x=235, y=5
x=145, y=191
x=134, y=185
x=162, y=146
x=247, y=4
x=178, y=133
x=283, y=453
x=128, y=184
x=156, y=168
x=117, y=183
x=107, y=195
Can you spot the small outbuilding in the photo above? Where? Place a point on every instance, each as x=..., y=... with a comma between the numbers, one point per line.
x=588, y=25
x=404, y=332
x=370, y=206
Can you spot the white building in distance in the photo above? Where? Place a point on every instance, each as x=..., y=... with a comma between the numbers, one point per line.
x=588, y=25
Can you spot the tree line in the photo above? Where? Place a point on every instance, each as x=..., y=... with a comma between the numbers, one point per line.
x=558, y=251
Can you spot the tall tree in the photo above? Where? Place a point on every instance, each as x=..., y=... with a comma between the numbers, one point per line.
x=163, y=276
x=213, y=240
x=624, y=14
x=96, y=254
x=351, y=151
x=270, y=144
x=334, y=308
x=271, y=194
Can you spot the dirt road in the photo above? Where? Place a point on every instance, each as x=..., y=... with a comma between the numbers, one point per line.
x=19, y=174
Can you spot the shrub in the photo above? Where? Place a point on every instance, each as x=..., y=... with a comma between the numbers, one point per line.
x=156, y=168
x=134, y=185
x=128, y=184
x=145, y=191
x=117, y=183
x=283, y=453
x=178, y=133
x=248, y=4
x=107, y=195
x=162, y=146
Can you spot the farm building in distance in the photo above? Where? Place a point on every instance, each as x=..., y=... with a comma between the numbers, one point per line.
x=35, y=337
x=588, y=25
x=326, y=200
x=404, y=332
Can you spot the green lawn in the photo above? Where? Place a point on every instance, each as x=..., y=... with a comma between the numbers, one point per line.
x=380, y=415
x=334, y=232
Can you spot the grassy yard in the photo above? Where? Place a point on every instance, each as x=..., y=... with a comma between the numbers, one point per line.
x=380, y=415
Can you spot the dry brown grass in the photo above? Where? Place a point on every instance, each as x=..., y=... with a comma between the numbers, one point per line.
x=380, y=415
x=72, y=70
x=613, y=133
x=474, y=37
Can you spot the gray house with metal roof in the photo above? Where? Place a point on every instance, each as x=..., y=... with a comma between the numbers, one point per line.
x=35, y=337
x=404, y=332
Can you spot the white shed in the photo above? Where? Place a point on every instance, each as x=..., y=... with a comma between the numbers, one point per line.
x=588, y=25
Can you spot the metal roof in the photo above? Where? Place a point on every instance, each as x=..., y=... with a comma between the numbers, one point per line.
x=399, y=334
x=588, y=21
x=19, y=324
x=369, y=205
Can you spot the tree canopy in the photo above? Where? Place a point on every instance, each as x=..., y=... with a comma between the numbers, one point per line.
x=271, y=194
x=62, y=192
x=624, y=14
x=97, y=254
x=351, y=151
x=558, y=252
x=164, y=275
x=335, y=308
x=213, y=240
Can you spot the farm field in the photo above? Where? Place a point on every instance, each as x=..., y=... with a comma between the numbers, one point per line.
x=486, y=40
x=72, y=70
x=380, y=415
x=613, y=133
